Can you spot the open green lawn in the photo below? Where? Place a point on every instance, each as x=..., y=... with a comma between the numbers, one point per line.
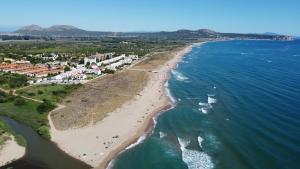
x=26, y=113
x=52, y=92
x=31, y=113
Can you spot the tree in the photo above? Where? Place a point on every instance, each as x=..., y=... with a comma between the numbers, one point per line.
x=67, y=68
x=40, y=92
x=44, y=132
x=81, y=61
x=87, y=64
x=46, y=106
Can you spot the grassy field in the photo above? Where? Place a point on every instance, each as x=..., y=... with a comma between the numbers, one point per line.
x=31, y=113
x=52, y=92
x=6, y=132
x=34, y=113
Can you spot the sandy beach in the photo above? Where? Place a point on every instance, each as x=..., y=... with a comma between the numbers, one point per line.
x=97, y=144
x=11, y=151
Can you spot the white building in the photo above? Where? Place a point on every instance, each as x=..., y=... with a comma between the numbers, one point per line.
x=90, y=60
x=22, y=62
x=112, y=60
x=93, y=71
x=134, y=57
x=127, y=60
x=77, y=74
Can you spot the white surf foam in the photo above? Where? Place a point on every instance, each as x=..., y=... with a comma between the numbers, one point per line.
x=179, y=76
x=204, y=110
x=140, y=140
x=110, y=164
x=162, y=134
x=211, y=99
x=168, y=92
x=205, y=107
x=193, y=158
x=202, y=104
x=200, y=139
x=154, y=121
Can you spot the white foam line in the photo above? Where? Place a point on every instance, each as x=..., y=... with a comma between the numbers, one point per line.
x=179, y=76
x=140, y=140
x=168, y=92
x=200, y=139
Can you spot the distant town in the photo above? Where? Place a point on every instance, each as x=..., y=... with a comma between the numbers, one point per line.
x=67, y=72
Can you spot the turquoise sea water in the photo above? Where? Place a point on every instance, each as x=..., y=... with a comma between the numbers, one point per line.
x=237, y=107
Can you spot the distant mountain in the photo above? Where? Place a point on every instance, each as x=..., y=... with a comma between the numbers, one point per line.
x=71, y=31
x=61, y=31
x=270, y=33
x=182, y=34
x=56, y=31
x=30, y=28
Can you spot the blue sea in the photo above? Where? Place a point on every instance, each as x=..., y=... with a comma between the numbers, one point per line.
x=237, y=107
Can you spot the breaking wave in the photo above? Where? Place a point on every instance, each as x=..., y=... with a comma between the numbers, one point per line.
x=140, y=140
x=179, y=76
x=162, y=134
x=200, y=139
x=206, y=107
x=168, y=92
x=204, y=110
x=194, y=159
x=211, y=99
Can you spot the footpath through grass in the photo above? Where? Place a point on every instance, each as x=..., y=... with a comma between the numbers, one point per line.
x=31, y=113
x=34, y=113
x=51, y=92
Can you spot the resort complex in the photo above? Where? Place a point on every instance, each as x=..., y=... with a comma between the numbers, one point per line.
x=66, y=71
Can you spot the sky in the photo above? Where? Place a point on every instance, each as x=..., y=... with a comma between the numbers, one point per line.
x=239, y=16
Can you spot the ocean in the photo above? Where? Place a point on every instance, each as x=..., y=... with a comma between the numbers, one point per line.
x=237, y=106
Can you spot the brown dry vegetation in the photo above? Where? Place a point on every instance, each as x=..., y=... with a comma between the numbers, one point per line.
x=92, y=102
x=156, y=60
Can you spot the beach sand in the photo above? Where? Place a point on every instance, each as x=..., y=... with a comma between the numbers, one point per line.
x=97, y=144
x=11, y=151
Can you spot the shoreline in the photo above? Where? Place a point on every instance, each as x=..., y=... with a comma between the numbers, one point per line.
x=10, y=152
x=131, y=118
x=169, y=105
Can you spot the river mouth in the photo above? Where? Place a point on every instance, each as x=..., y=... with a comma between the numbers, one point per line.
x=41, y=153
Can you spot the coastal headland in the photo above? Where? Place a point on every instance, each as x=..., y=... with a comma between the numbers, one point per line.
x=106, y=127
